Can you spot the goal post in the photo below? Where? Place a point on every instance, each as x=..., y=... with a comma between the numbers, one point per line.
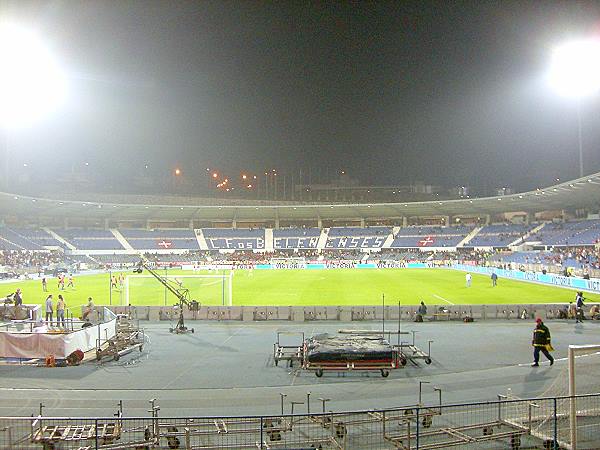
x=567, y=414
x=212, y=289
x=576, y=351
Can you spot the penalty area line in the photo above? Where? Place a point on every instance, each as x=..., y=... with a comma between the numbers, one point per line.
x=442, y=298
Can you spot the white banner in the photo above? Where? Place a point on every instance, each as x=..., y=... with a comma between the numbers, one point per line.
x=39, y=345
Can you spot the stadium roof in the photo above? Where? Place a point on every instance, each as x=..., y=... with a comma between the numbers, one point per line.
x=576, y=194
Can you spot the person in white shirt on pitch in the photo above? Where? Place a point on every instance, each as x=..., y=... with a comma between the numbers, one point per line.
x=468, y=279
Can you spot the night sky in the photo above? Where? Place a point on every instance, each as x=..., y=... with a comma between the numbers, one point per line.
x=448, y=93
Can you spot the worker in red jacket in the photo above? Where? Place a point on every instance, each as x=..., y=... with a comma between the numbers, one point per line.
x=541, y=343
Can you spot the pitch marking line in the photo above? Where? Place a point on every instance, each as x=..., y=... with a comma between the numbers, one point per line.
x=442, y=298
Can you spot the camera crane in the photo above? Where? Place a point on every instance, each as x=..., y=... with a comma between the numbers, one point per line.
x=175, y=288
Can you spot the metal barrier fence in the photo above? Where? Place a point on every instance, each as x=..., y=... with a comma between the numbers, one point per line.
x=507, y=423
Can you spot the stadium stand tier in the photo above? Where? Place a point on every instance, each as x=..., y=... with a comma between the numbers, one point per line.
x=38, y=236
x=500, y=235
x=14, y=240
x=234, y=238
x=578, y=257
x=296, y=238
x=354, y=237
x=412, y=237
x=161, y=239
x=562, y=244
x=91, y=239
x=358, y=231
x=584, y=232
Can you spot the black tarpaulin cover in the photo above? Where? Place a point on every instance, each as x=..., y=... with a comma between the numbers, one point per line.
x=348, y=348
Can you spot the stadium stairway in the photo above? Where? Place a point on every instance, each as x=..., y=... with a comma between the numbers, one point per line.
x=323, y=239
x=522, y=240
x=531, y=232
x=59, y=238
x=468, y=237
x=200, y=238
x=16, y=246
x=390, y=238
x=119, y=237
x=269, y=240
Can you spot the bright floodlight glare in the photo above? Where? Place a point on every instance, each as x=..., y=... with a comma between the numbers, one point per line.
x=31, y=82
x=575, y=68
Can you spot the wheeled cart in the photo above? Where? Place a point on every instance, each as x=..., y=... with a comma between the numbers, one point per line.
x=352, y=366
x=129, y=337
x=410, y=352
x=289, y=351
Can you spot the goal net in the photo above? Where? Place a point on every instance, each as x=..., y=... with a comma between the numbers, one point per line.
x=574, y=421
x=215, y=289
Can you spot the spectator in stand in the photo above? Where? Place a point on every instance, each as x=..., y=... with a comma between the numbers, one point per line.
x=595, y=312
x=19, y=259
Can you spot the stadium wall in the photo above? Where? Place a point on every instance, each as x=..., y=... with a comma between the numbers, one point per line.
x=344, y=313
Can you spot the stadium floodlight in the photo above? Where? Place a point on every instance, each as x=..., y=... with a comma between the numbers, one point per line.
x=575, y=68
x=575, y=73
x=31, y=81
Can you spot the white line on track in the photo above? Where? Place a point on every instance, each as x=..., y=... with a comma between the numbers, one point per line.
x=565, y=359
x=194, y=366
x=442, y=298
x=229, y=338
x=529, y=364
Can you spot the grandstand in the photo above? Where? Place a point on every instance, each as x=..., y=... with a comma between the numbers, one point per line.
x=234, y=239
x=122, y=246
x=89, y=239
x=583, y=232
x=413, y=237
x=296, y=238
x=353, y=237
x=37, y=236
x=500, y=236
x=12, y=240
x=362, y=237
x=250, y=233
x=118, y=244
x=146, y=240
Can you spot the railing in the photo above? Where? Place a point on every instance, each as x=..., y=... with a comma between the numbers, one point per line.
x=507, y=423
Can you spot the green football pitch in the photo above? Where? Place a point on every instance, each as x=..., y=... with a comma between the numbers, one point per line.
x=305, y=287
